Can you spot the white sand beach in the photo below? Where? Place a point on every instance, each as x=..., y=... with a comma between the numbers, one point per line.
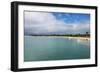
x=69, y=37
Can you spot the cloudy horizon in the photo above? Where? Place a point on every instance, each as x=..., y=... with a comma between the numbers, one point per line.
x=55, y=23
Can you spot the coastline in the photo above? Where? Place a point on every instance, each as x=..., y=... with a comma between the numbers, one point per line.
x=69, y=37
x=80, y=38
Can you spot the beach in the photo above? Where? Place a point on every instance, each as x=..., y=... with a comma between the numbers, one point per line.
x=69, y=37
x=80, y=38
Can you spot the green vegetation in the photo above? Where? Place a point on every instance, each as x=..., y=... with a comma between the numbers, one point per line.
x=87, y=34
x=79, y=35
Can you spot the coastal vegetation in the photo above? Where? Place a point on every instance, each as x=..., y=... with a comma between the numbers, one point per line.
x=87, y=34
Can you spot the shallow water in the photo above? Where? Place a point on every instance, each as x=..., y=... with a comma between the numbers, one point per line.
x=43, y=48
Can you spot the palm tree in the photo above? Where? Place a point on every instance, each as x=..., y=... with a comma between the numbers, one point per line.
x=87, y=33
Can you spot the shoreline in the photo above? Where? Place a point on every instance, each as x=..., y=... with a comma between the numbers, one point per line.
x=80, y=38
x=69, y=37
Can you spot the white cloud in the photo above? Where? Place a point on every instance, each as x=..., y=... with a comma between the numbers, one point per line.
x=37, y=22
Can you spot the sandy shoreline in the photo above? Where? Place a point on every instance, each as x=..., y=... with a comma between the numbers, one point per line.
x=78, y=38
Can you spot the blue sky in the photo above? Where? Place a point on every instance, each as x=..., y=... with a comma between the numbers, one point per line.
x=56, y=23
x=72, y=17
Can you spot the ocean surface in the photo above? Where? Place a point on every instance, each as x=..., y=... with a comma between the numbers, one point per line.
x=45, y=48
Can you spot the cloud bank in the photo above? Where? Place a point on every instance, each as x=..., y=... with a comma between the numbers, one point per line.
x=47, y=23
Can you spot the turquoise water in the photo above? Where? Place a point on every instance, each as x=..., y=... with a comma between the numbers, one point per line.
x=44, y=48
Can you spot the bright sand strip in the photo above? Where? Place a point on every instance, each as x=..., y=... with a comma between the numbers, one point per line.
x=79, y=38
